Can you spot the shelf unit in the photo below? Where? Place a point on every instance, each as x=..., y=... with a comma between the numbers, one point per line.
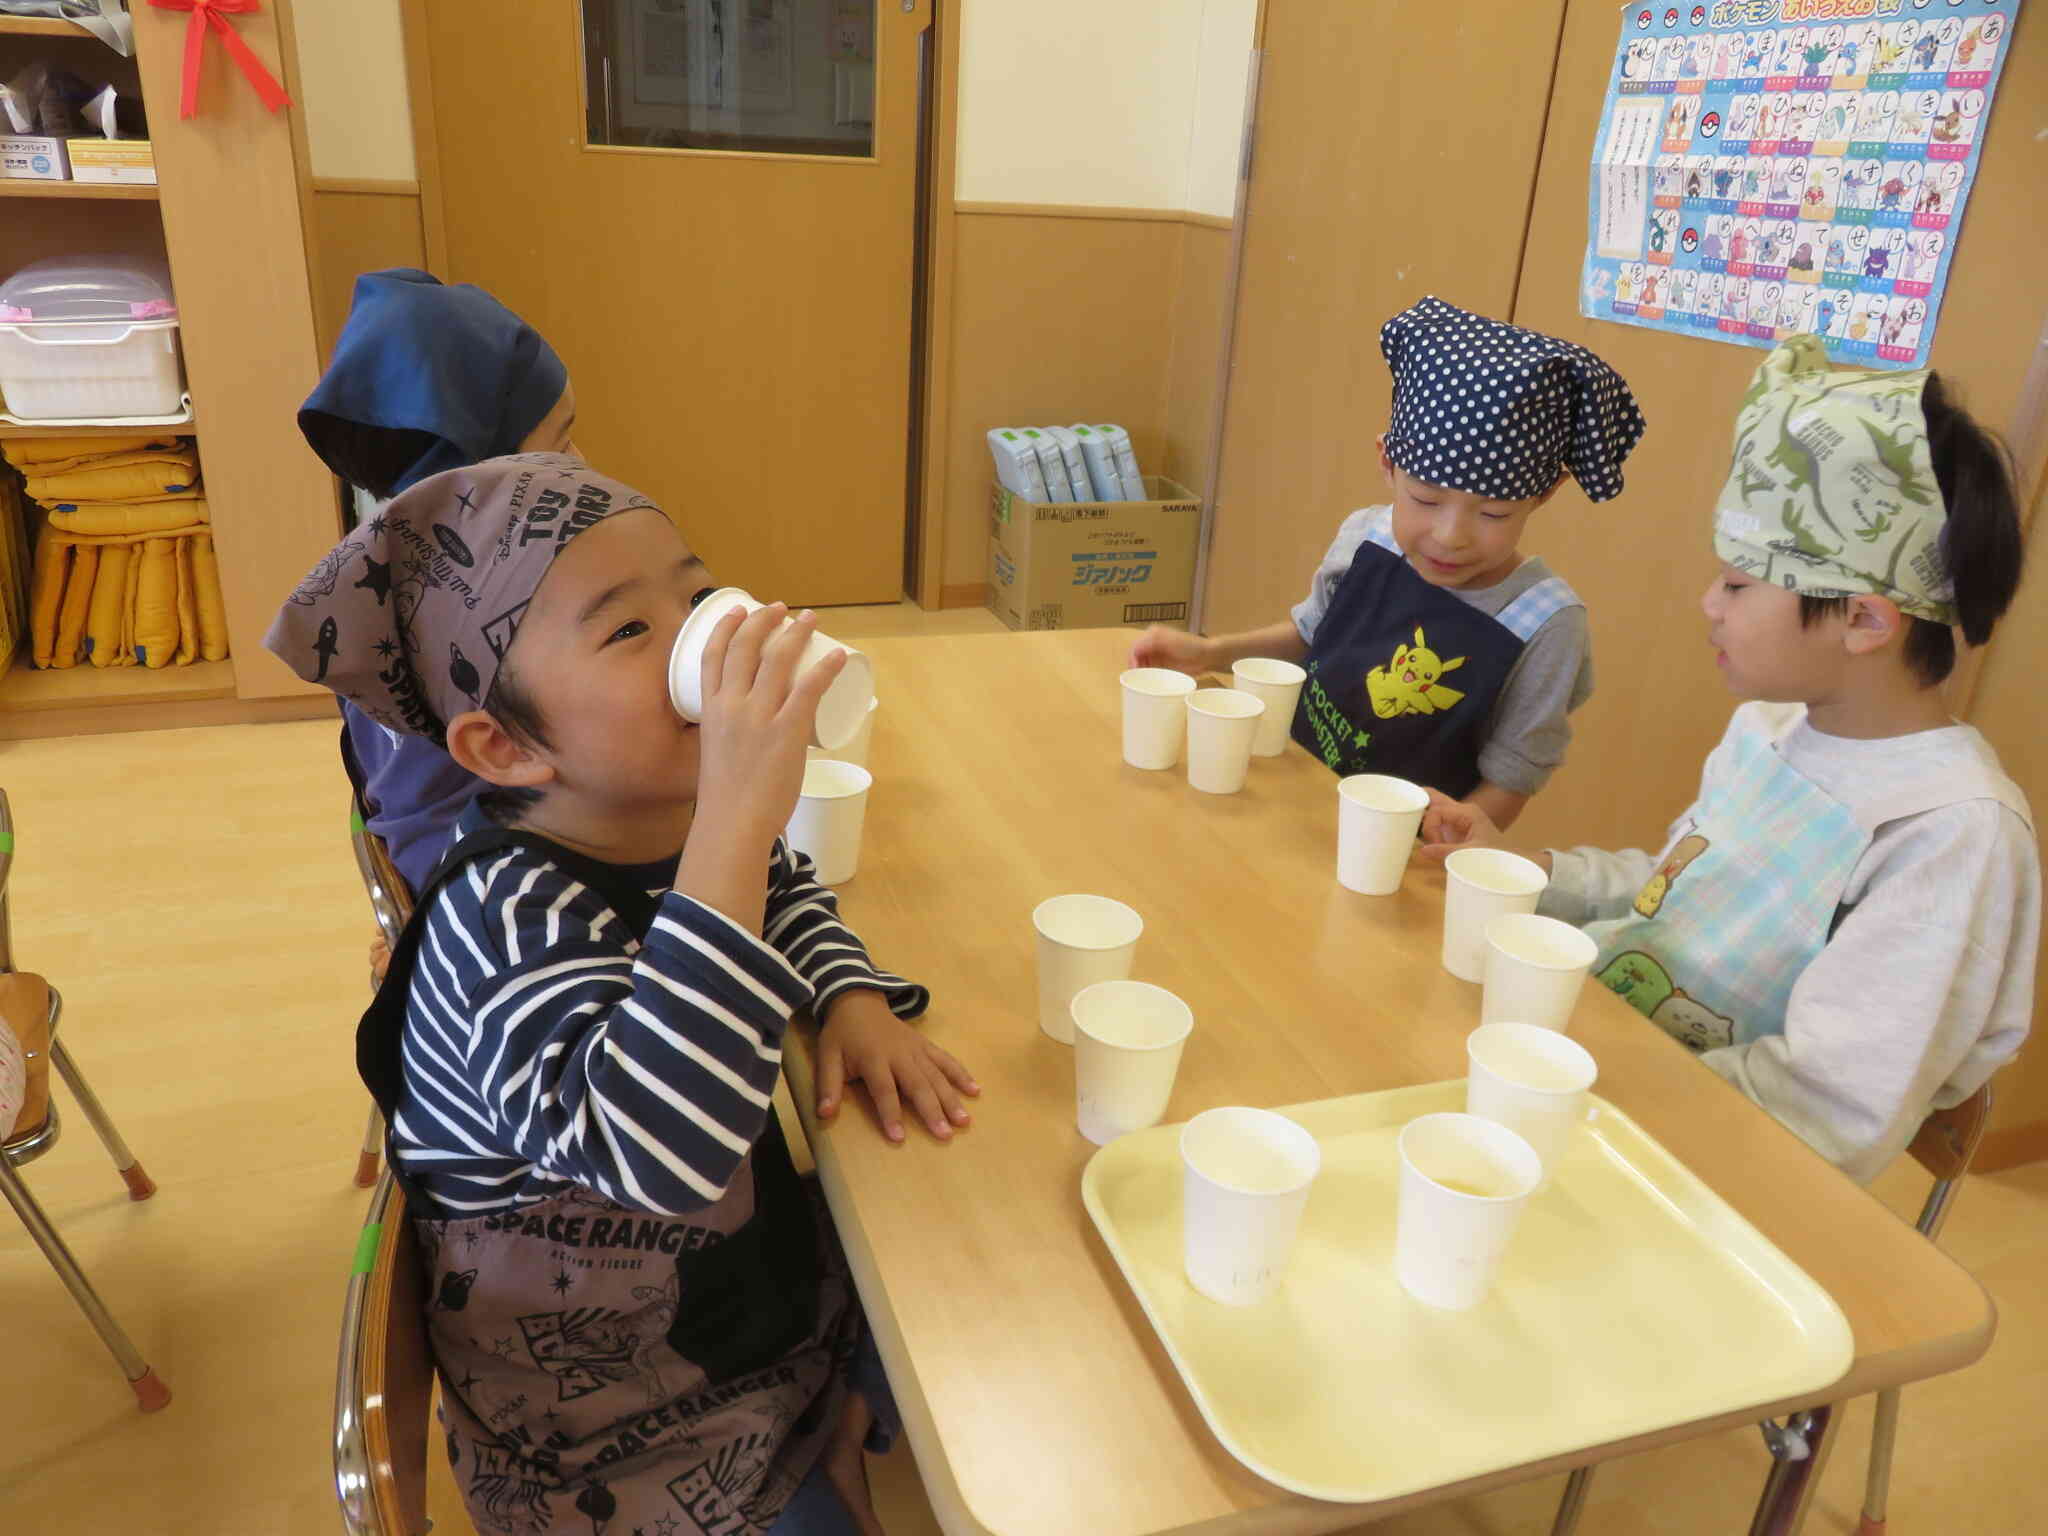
x=229, y=217
x=106, y=191
x=35, y=26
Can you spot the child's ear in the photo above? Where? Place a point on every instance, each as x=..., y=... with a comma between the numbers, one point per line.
x=484, y=747
x=1873, y=621
x=1554, y=485
x=1386, y=460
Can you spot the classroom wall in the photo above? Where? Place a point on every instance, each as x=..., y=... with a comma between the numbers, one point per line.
x=1096, y=158
x=352, y=76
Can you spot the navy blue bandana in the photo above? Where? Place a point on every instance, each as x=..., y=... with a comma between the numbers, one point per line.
x=1499, y=411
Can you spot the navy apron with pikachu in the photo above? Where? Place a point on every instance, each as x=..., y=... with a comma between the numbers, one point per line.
x=1750, y=889
x=1404, y=676
x=605, y=1366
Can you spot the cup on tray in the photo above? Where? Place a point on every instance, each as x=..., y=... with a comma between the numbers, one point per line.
x=1245, y=1181
x=1464, y=1183
x=1532, y=1080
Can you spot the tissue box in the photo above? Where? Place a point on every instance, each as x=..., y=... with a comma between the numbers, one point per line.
x=129, y=160
x=1093, y=564
x=29, y=158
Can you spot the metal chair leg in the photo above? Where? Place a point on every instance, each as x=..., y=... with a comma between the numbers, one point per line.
x=150, y=1392
x=373, y=1147
x=140, y=1185
x=1884, y=1433
x=1799, y=1453
x=1573, y=1503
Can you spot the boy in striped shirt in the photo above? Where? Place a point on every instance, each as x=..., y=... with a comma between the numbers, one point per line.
x=640, y=1313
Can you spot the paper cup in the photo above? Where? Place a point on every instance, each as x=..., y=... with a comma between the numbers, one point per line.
x=1081, y=940
x=1464, y=1182
x=1155, y=715
x=1277, y=685
x=1222, y=724
x=828, y=817
x=1246, y=1179
x=856, y=750
x=1377, y=819
x=1481, y=884
x=841, y=711
x=1535, y=967
x=1128, y=1037
x=1531, y=1080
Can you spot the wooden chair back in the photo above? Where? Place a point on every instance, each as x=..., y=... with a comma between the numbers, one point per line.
x=1949, y=1138
x=385, y=1395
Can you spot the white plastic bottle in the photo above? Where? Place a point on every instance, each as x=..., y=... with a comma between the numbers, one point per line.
x=1016, y=463
x=1076, y=462
x=1100, y=458
x=1126, y=460
x=1052, y=465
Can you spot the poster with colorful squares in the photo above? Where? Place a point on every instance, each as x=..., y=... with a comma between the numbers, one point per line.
x=1766, y=167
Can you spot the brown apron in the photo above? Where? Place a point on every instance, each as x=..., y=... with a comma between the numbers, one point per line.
x=606, y=1368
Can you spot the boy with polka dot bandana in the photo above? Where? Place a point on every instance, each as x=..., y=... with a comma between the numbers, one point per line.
x=1436, y=650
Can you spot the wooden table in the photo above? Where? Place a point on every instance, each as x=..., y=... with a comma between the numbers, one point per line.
x=1036, y=1397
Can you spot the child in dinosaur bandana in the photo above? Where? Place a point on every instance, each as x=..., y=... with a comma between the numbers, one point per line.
x=1843, y=923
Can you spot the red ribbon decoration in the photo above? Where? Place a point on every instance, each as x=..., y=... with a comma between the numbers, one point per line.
x=215, y=13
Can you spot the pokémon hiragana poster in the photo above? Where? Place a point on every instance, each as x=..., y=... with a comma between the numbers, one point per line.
x=1767, y=167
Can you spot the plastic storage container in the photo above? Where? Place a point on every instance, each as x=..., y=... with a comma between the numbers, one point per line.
x=89, y=337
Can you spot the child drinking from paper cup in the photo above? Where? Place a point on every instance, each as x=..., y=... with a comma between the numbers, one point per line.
x=582, y=1025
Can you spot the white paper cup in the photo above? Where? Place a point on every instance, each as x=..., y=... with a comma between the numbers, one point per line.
x=1464, y=1182
x=840, y=712
x=1481, y=884
x=1155, y=715
x=1081, y=940
x=1531, y=1080
x=1222, y=723
x=1128, y=1038
x=1276, y=684
x=1377, y=819
x=1246, y=1179
x=1535, y=967
x=856, y=750
x=828, y=817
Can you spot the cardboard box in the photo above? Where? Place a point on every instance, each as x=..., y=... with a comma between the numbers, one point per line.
x=30, y=158
x=127, y=160
x=1093, y=564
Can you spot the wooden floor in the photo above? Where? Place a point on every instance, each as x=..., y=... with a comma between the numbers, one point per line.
x=191, y=893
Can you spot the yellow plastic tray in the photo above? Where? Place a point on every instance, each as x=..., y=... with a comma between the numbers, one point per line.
x=1633, y=1298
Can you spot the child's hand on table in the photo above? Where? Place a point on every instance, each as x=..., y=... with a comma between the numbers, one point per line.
x=862, y=1040
x=1174, y=649
x=1449, y=825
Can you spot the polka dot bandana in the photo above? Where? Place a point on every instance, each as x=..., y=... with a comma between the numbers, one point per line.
x=1499, y=411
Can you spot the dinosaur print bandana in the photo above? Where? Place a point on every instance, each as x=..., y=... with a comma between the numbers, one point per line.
x=1831, y=490
x=409, y=617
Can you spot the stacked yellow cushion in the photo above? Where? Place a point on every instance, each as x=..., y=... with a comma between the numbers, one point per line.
x=124, y=572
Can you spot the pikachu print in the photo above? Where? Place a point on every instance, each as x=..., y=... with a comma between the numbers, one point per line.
x=1410, y=683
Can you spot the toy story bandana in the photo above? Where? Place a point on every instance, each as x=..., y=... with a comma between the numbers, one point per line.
x=409, y=617
x=1831, y=490
x=1498, y=411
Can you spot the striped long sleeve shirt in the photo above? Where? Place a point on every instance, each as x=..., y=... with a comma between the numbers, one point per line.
x=546, y=1046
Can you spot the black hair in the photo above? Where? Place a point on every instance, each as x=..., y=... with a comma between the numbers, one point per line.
x=508, y=703
x=1980, y=541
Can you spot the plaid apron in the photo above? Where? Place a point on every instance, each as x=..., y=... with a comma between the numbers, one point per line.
x=1749, y=891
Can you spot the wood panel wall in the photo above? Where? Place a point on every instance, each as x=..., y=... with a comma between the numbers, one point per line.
x=359, y=226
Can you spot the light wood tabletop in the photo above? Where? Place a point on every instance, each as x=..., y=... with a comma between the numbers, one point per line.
x=1036, y=1396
